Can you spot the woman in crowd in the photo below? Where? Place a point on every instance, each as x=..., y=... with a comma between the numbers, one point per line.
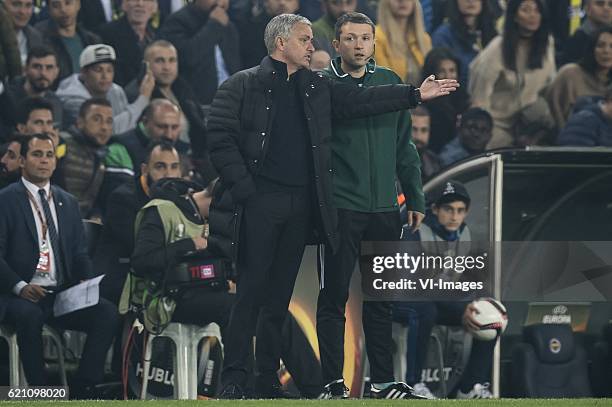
x=590, y=77
x=401, y=39
x=507, y=77
x=468, y=29
x=444, y=111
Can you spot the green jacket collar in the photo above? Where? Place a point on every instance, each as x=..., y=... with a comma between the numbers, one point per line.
x=336, y=67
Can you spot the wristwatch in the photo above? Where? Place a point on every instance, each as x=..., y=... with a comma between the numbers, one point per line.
x=417, y=96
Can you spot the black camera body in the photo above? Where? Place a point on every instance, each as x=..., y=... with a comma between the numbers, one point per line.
x=198, y=269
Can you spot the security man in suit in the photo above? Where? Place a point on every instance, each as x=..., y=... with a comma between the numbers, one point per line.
x=42, y=251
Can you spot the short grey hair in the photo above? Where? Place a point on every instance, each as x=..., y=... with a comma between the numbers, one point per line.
x=281, y=26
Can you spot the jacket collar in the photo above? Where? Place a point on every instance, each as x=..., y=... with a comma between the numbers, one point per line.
x=269, y=73
x=336, y=67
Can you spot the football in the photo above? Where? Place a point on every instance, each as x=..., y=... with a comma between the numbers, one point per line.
x=492, y=318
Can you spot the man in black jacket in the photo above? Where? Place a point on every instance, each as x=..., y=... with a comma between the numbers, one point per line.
x=269, y=135
x=66, y=38
x=207, y=42
x=129, y=36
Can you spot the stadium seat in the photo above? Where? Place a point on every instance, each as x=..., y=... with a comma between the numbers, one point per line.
x=16, y=376
x=186, y=339
x=549, y=364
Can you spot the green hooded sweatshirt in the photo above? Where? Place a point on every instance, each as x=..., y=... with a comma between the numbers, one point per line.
x=368, y=153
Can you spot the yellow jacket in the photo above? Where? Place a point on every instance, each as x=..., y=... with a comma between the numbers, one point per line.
x=385, y=57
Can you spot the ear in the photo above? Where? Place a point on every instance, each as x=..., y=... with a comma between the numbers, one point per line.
x=144, y=168
x=280, y=43
x=80, y=123
x=336, y=44
x=21, y=162
x=434, y=209
x=21, y=128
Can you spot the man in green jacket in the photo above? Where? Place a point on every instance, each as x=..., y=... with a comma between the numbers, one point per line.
x=367, y=156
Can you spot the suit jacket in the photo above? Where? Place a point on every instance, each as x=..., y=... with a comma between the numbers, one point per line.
x=19, y=248
x=91, y=15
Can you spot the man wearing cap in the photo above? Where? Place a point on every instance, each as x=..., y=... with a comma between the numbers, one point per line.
x=96, y=81
x=444, y=223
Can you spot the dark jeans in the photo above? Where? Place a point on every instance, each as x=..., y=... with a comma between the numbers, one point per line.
x=274, y=229
x=99, y=322
x=353, y=227
x=203, y=306
x=421, y=318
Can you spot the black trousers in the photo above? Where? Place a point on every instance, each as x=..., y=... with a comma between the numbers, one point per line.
x=274, y=229
x=421, y=318
x=353, y=227
x=99, y=322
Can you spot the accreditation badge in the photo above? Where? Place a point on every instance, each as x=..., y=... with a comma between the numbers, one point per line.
x=44, y=264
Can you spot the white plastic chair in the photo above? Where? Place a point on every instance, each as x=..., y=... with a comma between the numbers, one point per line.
x=186, y=338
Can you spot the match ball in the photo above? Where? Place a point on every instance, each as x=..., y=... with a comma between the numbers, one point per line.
x=492, y=319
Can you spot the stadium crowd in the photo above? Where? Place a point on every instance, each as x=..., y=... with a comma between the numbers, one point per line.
x=105, y=98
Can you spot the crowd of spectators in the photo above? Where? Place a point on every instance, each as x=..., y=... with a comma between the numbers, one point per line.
x=106, y=78
x=530, y=64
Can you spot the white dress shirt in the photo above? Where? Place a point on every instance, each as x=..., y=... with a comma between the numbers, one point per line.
x=39, y=280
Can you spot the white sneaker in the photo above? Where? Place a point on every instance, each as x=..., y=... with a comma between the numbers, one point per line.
x=421, y=389
x=479, y=391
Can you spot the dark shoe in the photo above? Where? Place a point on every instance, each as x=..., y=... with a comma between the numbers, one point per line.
x=232, y=391
x=398, y=390
x=335, y=390
x=274, y=391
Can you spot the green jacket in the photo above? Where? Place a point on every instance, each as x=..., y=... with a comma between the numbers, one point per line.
x=368, y=154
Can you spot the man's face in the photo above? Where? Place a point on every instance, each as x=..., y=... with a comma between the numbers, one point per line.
x=164, y=123
x=10, y=159
x=163, y=62
x=20, y=12
x=297, y=49
x=38, y=165
x=162, y=164
x=42, y=72
x=39, y=121
x=451, y=215
x=277, y=7
x=356, y=44
x=475, y=134
x=139, y=12
x=336, y=8
x=599, y=11
x=98, y=78
x=97, y=124
x=420, y=131
x=64, y=12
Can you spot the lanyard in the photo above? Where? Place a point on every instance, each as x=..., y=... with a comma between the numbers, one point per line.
x=42, y=218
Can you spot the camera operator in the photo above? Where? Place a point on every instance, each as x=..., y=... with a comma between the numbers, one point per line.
x=170, y=226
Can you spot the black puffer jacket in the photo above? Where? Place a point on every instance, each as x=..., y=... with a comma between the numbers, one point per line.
x=241, y=118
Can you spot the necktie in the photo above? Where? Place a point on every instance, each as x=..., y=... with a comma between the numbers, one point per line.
x=53, y=236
